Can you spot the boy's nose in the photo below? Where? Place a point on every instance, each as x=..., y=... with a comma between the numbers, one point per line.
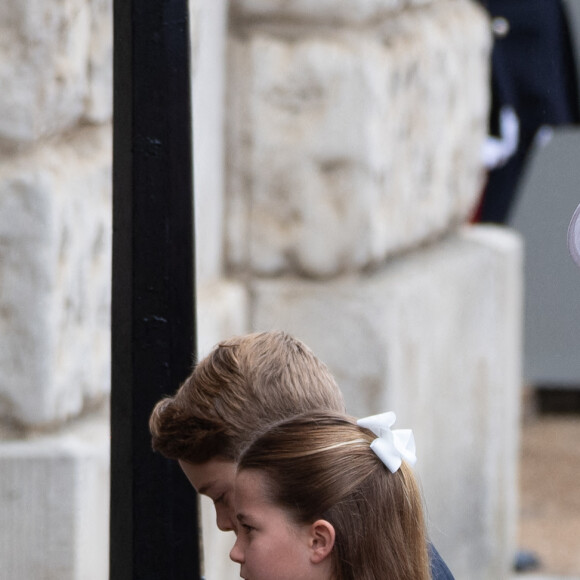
x=224, y=519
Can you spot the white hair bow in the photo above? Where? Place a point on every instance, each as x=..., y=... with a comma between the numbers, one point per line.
x=391, y=446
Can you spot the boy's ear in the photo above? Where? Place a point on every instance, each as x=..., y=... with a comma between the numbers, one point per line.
x=322, y=537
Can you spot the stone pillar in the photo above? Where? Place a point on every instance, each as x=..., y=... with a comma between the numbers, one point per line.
x=222, y=303
x=354, y=139
x=55, y=232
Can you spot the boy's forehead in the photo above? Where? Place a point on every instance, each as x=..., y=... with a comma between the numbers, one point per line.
x=211, y=474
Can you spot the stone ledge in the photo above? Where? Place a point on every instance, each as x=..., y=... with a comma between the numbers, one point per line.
x=436, y=337
x=325, y=12
x=54, y=493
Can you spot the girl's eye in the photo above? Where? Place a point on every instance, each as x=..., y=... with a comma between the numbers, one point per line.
x=247, y=528
x=218, y=499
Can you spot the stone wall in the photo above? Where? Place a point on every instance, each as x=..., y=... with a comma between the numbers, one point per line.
x=336, y=163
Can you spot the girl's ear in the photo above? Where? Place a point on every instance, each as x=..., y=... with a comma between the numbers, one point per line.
x=322, y=536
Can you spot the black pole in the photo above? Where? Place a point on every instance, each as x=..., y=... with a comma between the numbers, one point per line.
x=154, y=528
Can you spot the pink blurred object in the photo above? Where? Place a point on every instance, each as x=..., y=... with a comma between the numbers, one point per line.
x=574, y=236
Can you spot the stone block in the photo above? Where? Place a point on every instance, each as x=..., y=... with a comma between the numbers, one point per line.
x=55, y=273
x=436, y=337
x=54, y=493
x=55, y=67
x=351, y=146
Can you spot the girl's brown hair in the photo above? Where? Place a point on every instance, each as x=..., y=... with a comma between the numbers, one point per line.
x=320, y=466
x=245, y=382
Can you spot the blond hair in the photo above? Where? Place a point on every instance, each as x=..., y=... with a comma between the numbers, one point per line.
x=245, y=382
x=320, y=466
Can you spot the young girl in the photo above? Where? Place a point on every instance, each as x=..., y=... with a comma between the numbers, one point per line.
x=318, y=497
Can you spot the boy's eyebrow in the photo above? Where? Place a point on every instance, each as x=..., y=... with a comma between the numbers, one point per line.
x=206, y=487
x=241, y=517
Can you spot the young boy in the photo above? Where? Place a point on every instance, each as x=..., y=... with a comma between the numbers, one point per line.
x=244, y=383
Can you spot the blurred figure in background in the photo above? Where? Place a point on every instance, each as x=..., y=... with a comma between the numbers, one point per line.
x=533, y=86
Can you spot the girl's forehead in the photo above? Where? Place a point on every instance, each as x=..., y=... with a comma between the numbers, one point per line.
x=250, y=485
x=250, y=478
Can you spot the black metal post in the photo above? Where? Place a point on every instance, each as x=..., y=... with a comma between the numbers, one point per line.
x=154, y=528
